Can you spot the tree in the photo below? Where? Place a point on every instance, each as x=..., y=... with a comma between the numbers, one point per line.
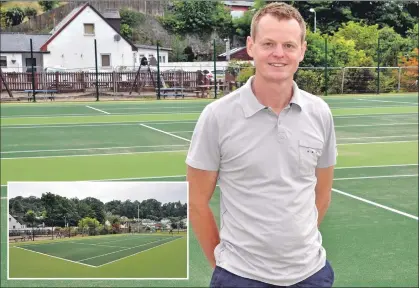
x=196, y=17
x=30, y=217
x=48, y=5
x=14, y=16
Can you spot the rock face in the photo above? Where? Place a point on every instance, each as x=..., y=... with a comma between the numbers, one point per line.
x=151, y=30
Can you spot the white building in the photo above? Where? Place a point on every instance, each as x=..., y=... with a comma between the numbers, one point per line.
x=14, y=224
x=71, y=45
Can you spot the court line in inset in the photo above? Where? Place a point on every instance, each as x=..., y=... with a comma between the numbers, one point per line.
x=140, y=252
x=120, y=250
x=376, y=204
x=54, y=256
x=167, y=133
x=97, y=109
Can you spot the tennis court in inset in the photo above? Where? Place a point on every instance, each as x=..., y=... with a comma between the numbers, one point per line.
x=96, y=252
x=370, y=231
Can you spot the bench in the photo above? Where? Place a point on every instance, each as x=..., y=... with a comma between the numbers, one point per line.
x=50, y=92
x=174, y=91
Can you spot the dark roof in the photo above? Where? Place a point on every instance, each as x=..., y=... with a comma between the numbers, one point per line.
x=69, y=18
x=152, y=47
x=19, y=42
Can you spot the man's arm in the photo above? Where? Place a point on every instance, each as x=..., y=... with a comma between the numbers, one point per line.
x=323, y=190
x=201, y=187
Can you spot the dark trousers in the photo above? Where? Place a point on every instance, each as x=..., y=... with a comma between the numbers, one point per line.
x=223, y=278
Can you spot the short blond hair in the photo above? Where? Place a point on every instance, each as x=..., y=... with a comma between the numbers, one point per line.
x=280, y=11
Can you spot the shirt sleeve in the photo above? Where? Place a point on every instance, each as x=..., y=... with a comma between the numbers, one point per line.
x=329, y=153
x=204, y=150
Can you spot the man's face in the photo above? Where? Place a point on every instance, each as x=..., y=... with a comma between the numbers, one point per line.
x=277, y=49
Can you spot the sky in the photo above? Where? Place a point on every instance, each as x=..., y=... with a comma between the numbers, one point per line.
x=163, y=192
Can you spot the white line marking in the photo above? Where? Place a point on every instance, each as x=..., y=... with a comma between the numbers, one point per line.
x=370, y=107
x=120, y=250
x=97, y=245
x=374, y=115
x=179, y=176
x=91, y=155
x=376, y=204
x=378, y=137
x=385, y=142
x=387, y=101
x=140, y=252
x=55, y=257
x=167, y=133
x=97, y=109
x=377, y=166
x=127, y=123
x=376, y=177
x=93, y=148
x=377, y=125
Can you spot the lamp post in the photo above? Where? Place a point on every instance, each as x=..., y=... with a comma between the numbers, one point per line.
x=313, y=11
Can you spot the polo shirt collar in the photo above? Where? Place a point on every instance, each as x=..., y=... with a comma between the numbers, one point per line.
x=251, y=105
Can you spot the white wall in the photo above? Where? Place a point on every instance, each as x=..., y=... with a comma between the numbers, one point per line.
x=13, y=67
x=13, y=224
x=147, y=52
x=72, y=49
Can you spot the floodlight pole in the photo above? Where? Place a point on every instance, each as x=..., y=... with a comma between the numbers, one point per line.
x=313, y=11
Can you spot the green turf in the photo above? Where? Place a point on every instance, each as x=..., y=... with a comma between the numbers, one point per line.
x=367, y=245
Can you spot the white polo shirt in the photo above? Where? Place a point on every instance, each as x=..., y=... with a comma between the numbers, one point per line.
x=267, y=180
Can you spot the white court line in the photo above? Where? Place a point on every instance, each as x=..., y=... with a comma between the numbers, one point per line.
x=381, y=142
x=167, y=133
x=386, y=101
x=376, y=204
x=377, y=125
x=374, y=115
x=178, y=176
x=91, y=155
x=93, y=148
x=378, y=137
x=140, y=252
x=127, y=123
x=376, y=177
x=55, y=257
x=97, y=109
x=97, y=245
x=375, y=166
x=121, y=250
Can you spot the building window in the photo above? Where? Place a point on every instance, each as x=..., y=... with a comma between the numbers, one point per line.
x=89, y=29
x=10, y=219
x=14, y=227
x=3, y=61
x=105, y=60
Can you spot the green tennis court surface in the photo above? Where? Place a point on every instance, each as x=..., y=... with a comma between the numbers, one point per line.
x=95, y=252
x=370, y=231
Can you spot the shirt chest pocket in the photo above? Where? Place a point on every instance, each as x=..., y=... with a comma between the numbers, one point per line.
x=309, y=153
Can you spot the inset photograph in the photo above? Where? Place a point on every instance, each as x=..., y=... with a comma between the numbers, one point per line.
x=100, y=230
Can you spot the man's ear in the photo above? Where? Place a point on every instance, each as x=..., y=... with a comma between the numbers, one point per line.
x=249, y=44
x=303, y=51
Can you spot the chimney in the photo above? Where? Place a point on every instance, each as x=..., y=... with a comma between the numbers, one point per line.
x=112, y=16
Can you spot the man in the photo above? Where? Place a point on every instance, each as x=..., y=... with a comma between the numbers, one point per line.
x=272, y=149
